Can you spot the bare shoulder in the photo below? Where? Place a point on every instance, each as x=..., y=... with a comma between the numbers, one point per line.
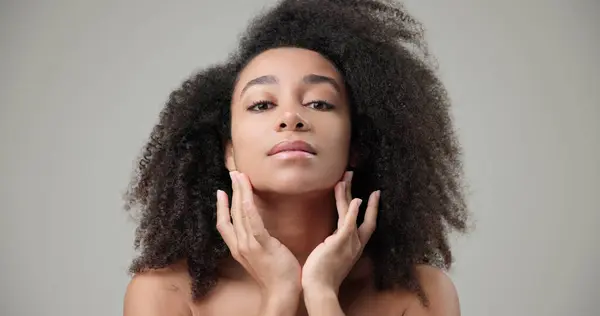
x=440, y=291
x=158, y=292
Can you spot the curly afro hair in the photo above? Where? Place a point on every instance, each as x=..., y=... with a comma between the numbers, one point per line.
x=401, y=129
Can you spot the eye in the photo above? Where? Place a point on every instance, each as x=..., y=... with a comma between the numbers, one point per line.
x=260, y=106
x=320, y=105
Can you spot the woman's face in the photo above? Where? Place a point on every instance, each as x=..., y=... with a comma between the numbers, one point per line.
x=294, y=98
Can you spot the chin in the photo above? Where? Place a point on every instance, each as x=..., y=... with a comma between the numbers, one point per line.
x=301, y=184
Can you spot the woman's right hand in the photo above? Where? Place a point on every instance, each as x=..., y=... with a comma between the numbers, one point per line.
x=268, y=261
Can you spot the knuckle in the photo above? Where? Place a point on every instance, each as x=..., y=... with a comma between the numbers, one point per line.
x=221, y=226
x=358, y=250
x=247, y=205
x=243, y=249
x=257, y=234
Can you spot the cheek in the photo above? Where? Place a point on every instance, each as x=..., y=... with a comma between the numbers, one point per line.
x=336, y=141
x=337, y=133
x=247, y=139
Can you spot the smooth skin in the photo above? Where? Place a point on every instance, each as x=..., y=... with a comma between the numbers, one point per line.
x=275, y=268
x=291, y=226
x=167, y=292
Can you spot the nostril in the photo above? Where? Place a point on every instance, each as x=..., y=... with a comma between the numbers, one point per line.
x=300, y=125
x=282, y=125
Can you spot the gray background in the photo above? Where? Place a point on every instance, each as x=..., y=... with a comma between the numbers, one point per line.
x=82, y=82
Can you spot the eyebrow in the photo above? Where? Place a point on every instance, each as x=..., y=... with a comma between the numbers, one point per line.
x=308, y=79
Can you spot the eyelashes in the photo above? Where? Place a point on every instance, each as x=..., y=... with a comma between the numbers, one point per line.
x=265, y=105
x=261, y=106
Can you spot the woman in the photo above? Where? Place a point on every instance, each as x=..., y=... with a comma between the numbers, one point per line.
x=250, y=187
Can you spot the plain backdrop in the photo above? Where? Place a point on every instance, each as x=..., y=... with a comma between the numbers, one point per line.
x=82, y=83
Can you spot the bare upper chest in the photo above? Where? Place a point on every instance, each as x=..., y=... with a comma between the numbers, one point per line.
x=242, y=299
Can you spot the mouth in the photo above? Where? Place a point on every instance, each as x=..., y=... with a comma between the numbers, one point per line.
x=292, y=146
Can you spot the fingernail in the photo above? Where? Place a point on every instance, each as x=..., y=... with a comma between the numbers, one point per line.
x=233, y=177
x=218, y=195
x=359, y=202
x=349, y=175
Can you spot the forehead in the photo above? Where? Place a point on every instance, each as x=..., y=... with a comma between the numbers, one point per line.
x=288, y=63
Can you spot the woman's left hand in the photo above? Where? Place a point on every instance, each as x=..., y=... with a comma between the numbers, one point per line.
x=331, y=261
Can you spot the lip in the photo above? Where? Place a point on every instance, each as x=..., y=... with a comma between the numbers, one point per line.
x=291, y=146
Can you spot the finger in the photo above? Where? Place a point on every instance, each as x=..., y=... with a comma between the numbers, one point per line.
x=253, y=223
x=340, y=202
x=236, y=208
x=224, y=220
x=368, y=225
x=349, y=225
x=348, y=179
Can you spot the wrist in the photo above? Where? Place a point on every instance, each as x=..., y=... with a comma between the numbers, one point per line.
x=283, y=302
x=316, y=288
x=322, y=300
x=319, y=293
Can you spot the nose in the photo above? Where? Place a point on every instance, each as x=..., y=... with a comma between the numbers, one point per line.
x=291, y=121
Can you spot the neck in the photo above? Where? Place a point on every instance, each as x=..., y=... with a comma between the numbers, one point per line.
x=300, y=223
